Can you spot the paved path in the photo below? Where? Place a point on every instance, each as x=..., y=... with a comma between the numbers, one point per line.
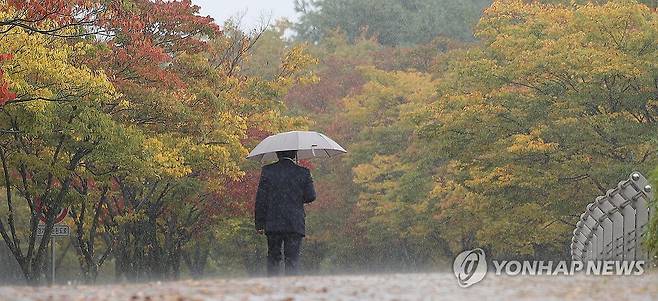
x=437, y=286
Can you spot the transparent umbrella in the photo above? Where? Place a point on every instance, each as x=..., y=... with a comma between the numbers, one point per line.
x=308, y=145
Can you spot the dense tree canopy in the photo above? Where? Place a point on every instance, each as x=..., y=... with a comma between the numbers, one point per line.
x=500, y=144
x=134, y=115
x=392, y=22
x=555, y=107
x=137, y=115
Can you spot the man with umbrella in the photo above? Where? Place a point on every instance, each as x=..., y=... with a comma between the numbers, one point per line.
x=283, y=189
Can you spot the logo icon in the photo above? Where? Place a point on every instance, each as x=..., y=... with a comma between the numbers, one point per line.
x=470, y=267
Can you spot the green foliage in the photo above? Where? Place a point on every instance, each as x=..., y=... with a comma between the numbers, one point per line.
x=501, y=146
x=392, y=22
x=141, y=149
x=453, y=143
x=555, y=107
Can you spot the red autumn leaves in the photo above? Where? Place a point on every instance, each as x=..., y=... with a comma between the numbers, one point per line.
x=139, y=40
x=5, y=94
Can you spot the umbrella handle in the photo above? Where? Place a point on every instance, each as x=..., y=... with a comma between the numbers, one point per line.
x=313, y=146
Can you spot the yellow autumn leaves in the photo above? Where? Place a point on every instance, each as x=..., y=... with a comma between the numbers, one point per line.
x=507, y=140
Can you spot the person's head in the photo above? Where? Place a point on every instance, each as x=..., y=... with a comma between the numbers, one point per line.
x=287, y=154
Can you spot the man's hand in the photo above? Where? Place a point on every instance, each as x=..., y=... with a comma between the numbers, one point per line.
x=260, y=231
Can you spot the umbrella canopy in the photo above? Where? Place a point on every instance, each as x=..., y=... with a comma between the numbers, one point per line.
x=307, y=144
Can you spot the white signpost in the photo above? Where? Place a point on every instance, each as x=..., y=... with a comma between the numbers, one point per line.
x=58, y=230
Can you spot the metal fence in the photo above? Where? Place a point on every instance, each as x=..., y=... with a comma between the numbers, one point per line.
x=613, y=225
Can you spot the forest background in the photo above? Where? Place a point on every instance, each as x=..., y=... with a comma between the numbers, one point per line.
x=468, y=124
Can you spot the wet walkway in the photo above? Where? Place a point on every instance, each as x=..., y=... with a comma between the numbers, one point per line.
x=437, y=286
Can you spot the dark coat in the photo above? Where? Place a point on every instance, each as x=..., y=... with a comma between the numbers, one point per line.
x=283, y=190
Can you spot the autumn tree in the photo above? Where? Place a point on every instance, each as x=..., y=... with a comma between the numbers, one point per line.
x=501, y=147
x=555, y=107
x=392, y=22
x=54, y=127
x=140, y=148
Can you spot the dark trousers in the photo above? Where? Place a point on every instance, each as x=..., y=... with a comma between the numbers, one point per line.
x=291, y=244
